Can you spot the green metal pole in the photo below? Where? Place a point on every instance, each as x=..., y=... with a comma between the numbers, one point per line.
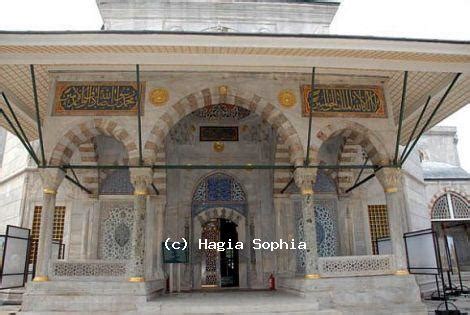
x=400, y=120
x=17, y=121
x=441, y=101
x=139, y=112
x=12, y=126
x=310, y=107
x=38, y=116
x=414, y=129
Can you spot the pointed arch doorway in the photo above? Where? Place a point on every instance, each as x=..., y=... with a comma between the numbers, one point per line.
x=219, y=215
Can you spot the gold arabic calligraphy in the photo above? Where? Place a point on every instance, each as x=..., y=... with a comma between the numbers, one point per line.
x=79, y=98
x=357, y=100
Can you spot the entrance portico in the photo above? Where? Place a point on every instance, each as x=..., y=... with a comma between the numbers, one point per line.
x=215, y=149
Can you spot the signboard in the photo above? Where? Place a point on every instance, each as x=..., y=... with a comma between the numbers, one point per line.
x=421, y=252
x=13, y=268
x=171, y=255
x=97, y=98
x=337, y=100
x=216, y=133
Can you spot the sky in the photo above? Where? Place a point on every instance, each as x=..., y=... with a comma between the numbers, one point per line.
x=436, y=19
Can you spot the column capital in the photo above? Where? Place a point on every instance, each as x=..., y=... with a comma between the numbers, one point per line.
x=51, y=179
x=389, y=178
x=141, y=178
x=305, y=179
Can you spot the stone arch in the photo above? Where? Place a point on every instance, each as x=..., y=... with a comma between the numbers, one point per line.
x=228, y=95
x=361, y=135
x=83, y=132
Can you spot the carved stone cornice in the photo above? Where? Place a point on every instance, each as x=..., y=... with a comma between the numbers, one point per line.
x=141, y=178
x=305, y=179
x=389, y=178
x=51, y=179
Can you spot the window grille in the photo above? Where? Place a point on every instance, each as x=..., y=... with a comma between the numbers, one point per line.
x=57, y=230
x=378, y=222
x=450, y=206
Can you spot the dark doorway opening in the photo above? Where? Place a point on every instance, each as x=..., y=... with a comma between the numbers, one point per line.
x=228, y=257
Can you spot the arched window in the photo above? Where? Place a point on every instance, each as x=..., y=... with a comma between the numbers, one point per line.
x=450, y=206
x=219, y=190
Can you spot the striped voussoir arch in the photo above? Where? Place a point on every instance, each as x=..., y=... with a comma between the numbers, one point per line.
x=444, y=191
x=357, y=134
x=356, y=138
x=83, y=132
x=225, y=95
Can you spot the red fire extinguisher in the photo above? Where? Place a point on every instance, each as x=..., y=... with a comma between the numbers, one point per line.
x=272, y=282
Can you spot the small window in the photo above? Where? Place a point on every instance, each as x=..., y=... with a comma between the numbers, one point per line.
x=450, y=206
x=378, y=222
x=57, y=230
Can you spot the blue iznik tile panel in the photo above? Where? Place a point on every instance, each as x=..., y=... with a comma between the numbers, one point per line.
x=219, y=190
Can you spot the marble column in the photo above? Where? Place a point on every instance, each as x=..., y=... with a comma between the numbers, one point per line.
x=160, y=227
x=51, y=179
x=141, y=179
x=345, y=225
x=305, y=179
x=390, y=179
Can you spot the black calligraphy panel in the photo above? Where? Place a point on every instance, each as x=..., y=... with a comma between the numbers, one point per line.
x=212, y=133
x=97, y=98
x=355, y=101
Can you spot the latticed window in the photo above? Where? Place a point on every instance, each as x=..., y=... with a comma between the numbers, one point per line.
x=450, y=207
x=57, y=231
x=378, y=222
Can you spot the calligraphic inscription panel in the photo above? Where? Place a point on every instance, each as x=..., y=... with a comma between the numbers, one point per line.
x=211, y=133
x=336, y=100
x=97, y=98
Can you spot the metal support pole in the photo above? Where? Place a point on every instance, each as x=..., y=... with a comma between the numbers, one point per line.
x=78, y=184
x=310, y=109
x=23, y=141
x=139, y=111
x=218, y=166
x=441, y=101
x=155, y=188
x=415, y=127
x=287, y=186
x=17, y=121
x=38, y=116
x=364, y=180
x=361, y=171
x=400, y=120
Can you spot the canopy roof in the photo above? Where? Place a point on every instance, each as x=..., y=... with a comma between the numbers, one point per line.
x=432, y=64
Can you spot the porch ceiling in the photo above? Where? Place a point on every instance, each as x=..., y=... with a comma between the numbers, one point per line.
x=432, y=64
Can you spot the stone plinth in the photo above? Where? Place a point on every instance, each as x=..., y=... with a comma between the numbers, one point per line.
x=360, y=295
x=89, y=296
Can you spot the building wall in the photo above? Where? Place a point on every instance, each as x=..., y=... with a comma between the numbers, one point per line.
x=440, y=145
x=13, y=179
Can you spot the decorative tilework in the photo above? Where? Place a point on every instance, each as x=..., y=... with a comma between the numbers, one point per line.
x=117, y=182
x=326, y=229
x=117, y=220
x=219, y=190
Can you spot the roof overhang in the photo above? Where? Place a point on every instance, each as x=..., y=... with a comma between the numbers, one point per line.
x=432, y=63
x=297, y=53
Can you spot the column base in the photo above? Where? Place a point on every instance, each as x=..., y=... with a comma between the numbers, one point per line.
x=402, y=272
x=136, y=279
x=41, y=278
x=312, y=276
